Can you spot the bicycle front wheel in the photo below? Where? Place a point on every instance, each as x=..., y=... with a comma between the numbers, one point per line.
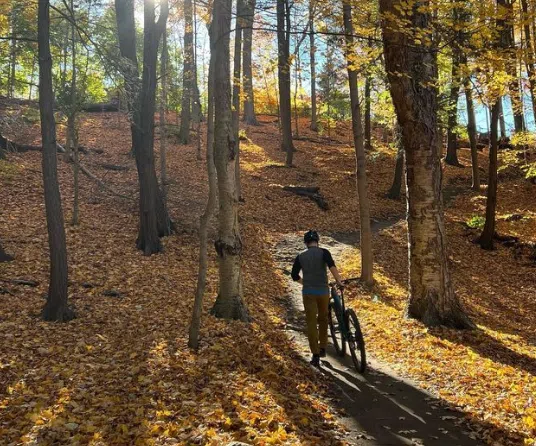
x=356, y=343
x=339, y=341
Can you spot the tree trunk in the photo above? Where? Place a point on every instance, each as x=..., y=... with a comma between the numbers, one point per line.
x=471, y=131
x=312, y=54
x=141, y=103
x=163, y=108
x=56, y=307
x=72, y=127
x=247, y=76
x=412, y=74
x=229, y=304
x=187, y=74
x=511, y=67
x=285, y=110
x=151, y=202
x=193, y=338
x=502, y=123
x=488, y=233
x=396, y=187
x=529, y=56
x=361, y=168
x=236, y=91
x=368, y=134
x=452, y=140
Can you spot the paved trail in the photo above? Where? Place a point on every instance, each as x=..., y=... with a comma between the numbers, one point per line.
x=381, y=408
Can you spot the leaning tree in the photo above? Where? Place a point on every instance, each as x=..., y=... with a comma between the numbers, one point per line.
x=411, y=64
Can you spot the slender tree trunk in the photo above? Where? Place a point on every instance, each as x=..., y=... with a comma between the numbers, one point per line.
x=13, y=60
x=488, y=233
x=361, y=168
x=247, y=76
x=283, y=46
x=471, y=131
x=529, y=55
x=32, y=78
x=452, y=140
x=193, y=339
x=312, y=54
x=412, y=74
x=511, y=68
x=237, y=68
x=196, y=98
x=56, y=307
x=396, y=187
x=502, y=123
x=187, y=74
x=71, y=125
x=229, y=303
x=141, y=104
x=163, y=108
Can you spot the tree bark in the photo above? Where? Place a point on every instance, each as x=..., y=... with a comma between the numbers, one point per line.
x=511, y=65
x=193, y=337
x=502, y=123
x=312, y=56
x=229, y=303
x=412, y=74
x=56, y=307
x=283, y=59
x=187, y=74
x=237, y=68
x=247, y=76
x=361, y=168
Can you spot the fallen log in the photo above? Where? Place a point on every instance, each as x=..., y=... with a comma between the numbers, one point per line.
x=313, y=193
x=101, y=107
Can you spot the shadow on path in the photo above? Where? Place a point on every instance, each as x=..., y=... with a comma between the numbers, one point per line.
x=379, y=408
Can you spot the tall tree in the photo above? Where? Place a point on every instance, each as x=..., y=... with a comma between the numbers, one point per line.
x=193, y=336
x=187, y=74
x=229, y=303
x=359, y=145
x=412, y=72
x=154, y=219
x=452, y=106
x=237, y=68
x=283, y=69
x=502, y=45
x=529, y=54
x=247, y=76
x=368, y=127
x=312, y=57
x=56, y=307
x=163, y=108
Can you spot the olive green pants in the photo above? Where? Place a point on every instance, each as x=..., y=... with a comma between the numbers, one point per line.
x=316, y=314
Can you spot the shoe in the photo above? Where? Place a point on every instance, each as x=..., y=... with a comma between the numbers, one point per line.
x=323, y=353
x=315, y=361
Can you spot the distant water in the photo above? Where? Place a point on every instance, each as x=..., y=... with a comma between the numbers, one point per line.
x=482, y=114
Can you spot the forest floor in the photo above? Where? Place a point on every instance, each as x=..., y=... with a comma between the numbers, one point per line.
x=121, y=372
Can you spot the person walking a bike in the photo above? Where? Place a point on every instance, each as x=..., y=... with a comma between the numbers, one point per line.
x=314, y=262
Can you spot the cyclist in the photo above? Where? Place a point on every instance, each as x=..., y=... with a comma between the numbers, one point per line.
x=314, y=262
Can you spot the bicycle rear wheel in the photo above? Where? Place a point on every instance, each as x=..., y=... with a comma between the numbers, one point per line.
x=356, y=343
x=339, y=341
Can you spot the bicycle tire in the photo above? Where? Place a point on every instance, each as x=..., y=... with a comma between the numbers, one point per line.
x=339, y=341
x=356, y=343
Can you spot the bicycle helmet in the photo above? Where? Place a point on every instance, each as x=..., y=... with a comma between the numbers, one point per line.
x=311, y=236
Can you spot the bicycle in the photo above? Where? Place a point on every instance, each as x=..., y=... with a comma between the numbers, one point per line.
x=345, y=330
